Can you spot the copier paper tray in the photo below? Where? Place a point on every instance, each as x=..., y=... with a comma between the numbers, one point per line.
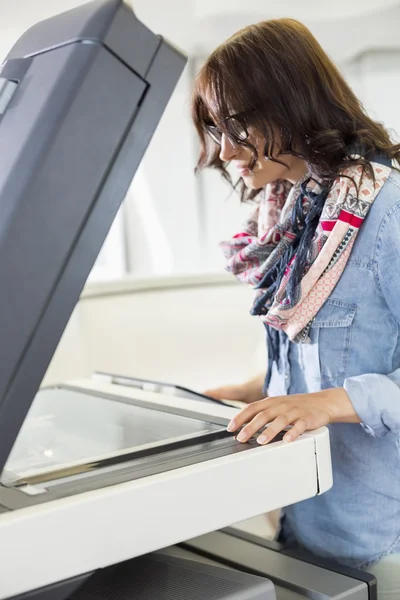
x=163, y=577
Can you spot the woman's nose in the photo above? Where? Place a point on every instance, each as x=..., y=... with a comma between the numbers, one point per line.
x=228, y=149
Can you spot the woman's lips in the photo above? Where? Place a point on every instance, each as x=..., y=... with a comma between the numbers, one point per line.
x=244, y=170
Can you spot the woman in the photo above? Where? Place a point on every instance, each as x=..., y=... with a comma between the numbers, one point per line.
x=322, y=251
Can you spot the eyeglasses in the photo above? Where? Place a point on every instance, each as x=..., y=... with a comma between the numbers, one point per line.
x=241, y=132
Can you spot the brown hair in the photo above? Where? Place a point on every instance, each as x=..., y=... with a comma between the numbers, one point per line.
x=279, y=78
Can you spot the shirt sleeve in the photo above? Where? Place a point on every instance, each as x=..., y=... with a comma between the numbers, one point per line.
x=376, y=398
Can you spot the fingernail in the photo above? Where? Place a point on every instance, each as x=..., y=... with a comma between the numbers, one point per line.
x=231, y=426
x=287, y=438
x=241, y=437
x=262, y=439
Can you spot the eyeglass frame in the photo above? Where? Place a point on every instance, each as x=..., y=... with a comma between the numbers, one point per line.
x=216, y=134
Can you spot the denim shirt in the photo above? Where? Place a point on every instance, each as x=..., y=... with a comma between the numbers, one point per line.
x=355, y=344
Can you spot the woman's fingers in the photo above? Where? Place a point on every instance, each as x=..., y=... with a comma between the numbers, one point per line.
x=277, y=426
x=278, y=413
x=279, y=416
x=303, y=411
x=298, y=428
x=255, y=424
x=248, y=413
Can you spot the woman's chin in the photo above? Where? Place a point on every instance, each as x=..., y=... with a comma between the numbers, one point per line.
x=253, y=182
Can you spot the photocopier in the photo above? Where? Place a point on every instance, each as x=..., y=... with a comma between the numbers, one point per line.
x=113, y=488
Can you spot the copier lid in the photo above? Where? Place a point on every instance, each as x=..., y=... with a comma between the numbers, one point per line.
x=80, y=97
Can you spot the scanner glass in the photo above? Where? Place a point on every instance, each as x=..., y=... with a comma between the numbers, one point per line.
x=67, y=428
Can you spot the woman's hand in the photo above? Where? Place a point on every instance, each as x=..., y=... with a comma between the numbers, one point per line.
x=247, y=392
x=302, y=411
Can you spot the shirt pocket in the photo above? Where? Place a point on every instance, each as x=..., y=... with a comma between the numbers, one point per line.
x=332, y=332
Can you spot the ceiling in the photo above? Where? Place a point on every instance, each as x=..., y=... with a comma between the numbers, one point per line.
x=312, y=10
x=344, y=27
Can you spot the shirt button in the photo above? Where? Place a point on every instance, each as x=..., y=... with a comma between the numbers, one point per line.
x=368, y=429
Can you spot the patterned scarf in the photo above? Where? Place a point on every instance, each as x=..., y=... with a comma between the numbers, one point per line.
x=265, y=252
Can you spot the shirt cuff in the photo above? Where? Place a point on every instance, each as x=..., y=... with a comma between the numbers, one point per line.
x=376, y=400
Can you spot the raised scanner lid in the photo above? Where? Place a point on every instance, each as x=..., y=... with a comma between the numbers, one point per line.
x=81, y=95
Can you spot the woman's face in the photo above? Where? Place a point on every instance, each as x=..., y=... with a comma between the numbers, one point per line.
x=265, y=170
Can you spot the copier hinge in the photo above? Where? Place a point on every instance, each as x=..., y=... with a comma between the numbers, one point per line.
x=12, y=72
x=7, y=91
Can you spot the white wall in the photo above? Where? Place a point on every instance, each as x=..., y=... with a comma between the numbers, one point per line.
x=71, y=359
x=223, y=216
x=195, y=331
x=162, y=211
x=375, y=77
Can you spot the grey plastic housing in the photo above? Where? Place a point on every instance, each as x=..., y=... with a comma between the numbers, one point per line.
x=85, y=92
